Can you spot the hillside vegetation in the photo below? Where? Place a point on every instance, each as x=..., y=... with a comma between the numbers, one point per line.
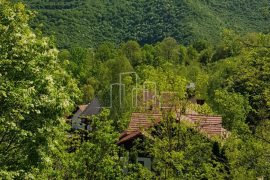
x=89, y=23
x=41, y=87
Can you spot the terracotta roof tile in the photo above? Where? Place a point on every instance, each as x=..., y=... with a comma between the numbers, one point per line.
x=134, y=135
x=211, y=126
x=129, y=137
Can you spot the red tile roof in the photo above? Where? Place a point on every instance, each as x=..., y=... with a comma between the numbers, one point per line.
x=211, y=126
x=129, y=137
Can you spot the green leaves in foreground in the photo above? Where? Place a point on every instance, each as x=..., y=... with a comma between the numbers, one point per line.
x=35, y=94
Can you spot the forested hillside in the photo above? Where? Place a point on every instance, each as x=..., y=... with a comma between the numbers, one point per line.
x=42, y=86
x=89, y=23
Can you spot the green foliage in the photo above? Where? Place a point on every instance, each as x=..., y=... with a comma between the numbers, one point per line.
x=64, y=55
x=251, y=77
x=202, y=109
x=36, y=89
x=248, y=156
x=88, y=93
x=201, y=45
x=35, y=94
x=79, y=64
x=202, y=82
x=206, y=56
x=91, y=23
x=132, y=51
x=148, y=54
x=182, y=153
x=104, y=53
x=192, y=53
x=233, y=107
x=110, y=75
x=98, y=158
x=265, y=12
x=169, y=49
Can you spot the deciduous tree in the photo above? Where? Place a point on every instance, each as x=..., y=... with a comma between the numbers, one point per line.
x=35, y=92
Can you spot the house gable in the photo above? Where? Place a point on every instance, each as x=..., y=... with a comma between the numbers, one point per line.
x=84, y=113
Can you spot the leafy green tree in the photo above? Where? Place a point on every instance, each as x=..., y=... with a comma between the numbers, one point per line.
x=219, y=74
x=251, y=78
x=233, y=107
x=248, y=155
x=192, y=53
x=265, y=12
x=202, y=82
x=98, y=158
x=79, y=65
x=64, y=57
x=89, y=90
x=88, y=93
x=158, y=60
x=110, y=75
x=104, y=53
x=205, y=56
x=201, y=45
x=148, y=54
x=35, y=92
x=180, y=152
x=183, y=57
x=230, y=46
x=132, y=50
x=169, y=49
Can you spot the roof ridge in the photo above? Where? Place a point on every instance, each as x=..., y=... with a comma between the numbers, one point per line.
x=205, y=115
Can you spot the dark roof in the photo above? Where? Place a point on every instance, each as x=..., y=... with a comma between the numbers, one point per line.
x=93, y=108
x=211, y=126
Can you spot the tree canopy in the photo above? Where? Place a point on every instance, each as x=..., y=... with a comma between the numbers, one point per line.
x=91, y=23
x=41, y=87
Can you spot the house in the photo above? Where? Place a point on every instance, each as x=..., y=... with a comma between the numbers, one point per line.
x=80, y=117
x=210, y=126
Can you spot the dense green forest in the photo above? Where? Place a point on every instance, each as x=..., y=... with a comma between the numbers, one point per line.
x=40, y=86
x=90, y=23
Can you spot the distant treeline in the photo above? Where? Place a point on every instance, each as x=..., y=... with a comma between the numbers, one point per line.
x=90, y=23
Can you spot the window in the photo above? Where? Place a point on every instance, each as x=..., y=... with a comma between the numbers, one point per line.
x=146, y=162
